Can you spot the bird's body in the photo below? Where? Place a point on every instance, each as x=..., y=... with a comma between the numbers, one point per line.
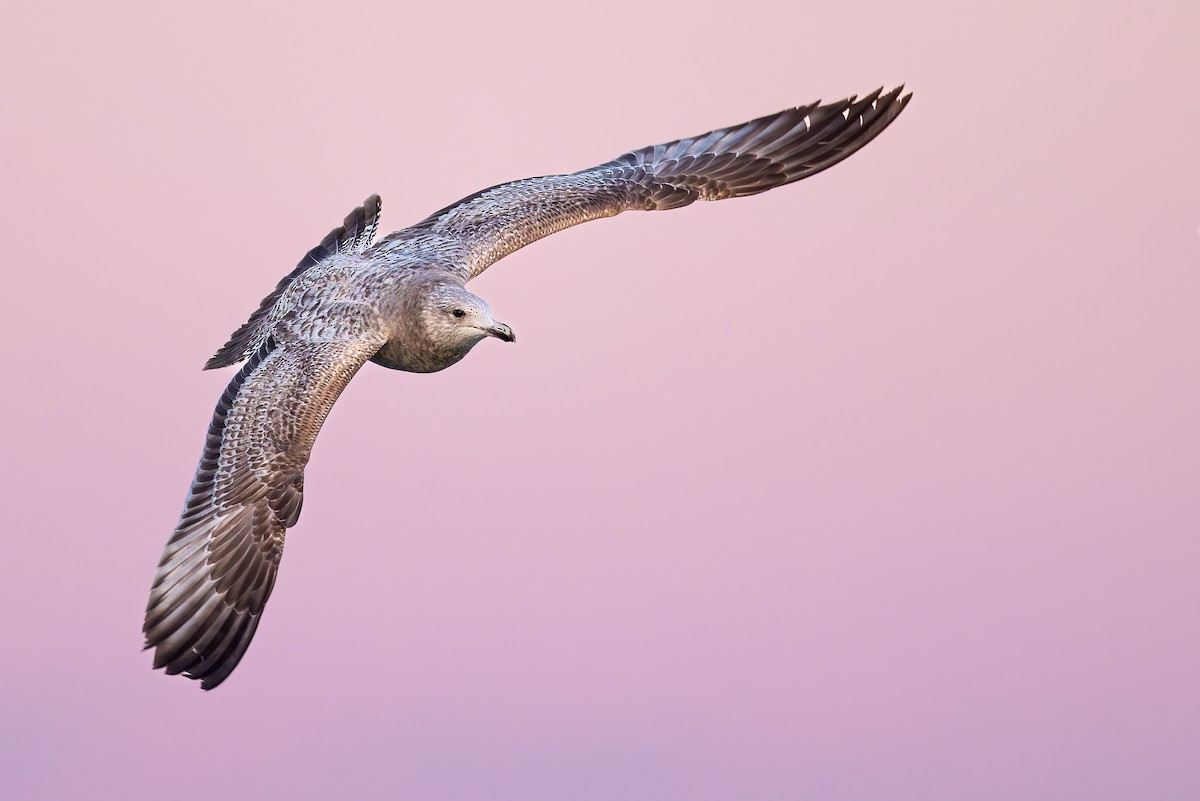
x=402, y=303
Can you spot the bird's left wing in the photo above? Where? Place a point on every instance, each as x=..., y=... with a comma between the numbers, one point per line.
x=219, y=566
x=729, y=162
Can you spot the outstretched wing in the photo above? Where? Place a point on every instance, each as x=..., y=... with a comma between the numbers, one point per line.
x=731, y=162
x=219, y=566
x=354, y=235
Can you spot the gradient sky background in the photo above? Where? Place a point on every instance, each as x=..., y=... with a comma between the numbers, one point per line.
x=879, y=486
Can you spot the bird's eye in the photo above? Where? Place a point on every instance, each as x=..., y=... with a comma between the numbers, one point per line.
x=459, y=313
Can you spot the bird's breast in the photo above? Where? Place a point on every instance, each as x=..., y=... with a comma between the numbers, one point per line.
x=418, y=357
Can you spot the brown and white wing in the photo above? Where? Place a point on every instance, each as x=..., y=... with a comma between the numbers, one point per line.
x=731, y=162
x=219, y=566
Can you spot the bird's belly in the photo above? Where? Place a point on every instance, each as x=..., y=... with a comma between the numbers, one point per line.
x=397, y=355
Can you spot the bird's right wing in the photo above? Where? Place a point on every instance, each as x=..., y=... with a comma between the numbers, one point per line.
x=731, y=162
x=219, y=566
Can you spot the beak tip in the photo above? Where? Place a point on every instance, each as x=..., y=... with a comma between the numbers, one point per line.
x=503, y=332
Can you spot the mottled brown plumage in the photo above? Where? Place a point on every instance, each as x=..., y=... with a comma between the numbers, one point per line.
x=402, y=303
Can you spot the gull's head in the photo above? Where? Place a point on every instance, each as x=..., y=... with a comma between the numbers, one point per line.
x=459, y=319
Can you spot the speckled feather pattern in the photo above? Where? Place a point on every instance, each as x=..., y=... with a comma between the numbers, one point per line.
x=349, y=301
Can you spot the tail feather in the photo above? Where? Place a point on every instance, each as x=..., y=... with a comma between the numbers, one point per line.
x=354, y=235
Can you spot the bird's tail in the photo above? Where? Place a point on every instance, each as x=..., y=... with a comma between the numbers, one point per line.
x=354, y=235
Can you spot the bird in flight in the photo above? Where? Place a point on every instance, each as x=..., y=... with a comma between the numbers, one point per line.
x=402, y=303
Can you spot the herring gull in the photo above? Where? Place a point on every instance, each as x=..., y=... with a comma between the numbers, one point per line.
x=401, y=303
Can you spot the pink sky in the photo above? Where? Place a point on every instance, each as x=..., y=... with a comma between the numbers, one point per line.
x=879, y=486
